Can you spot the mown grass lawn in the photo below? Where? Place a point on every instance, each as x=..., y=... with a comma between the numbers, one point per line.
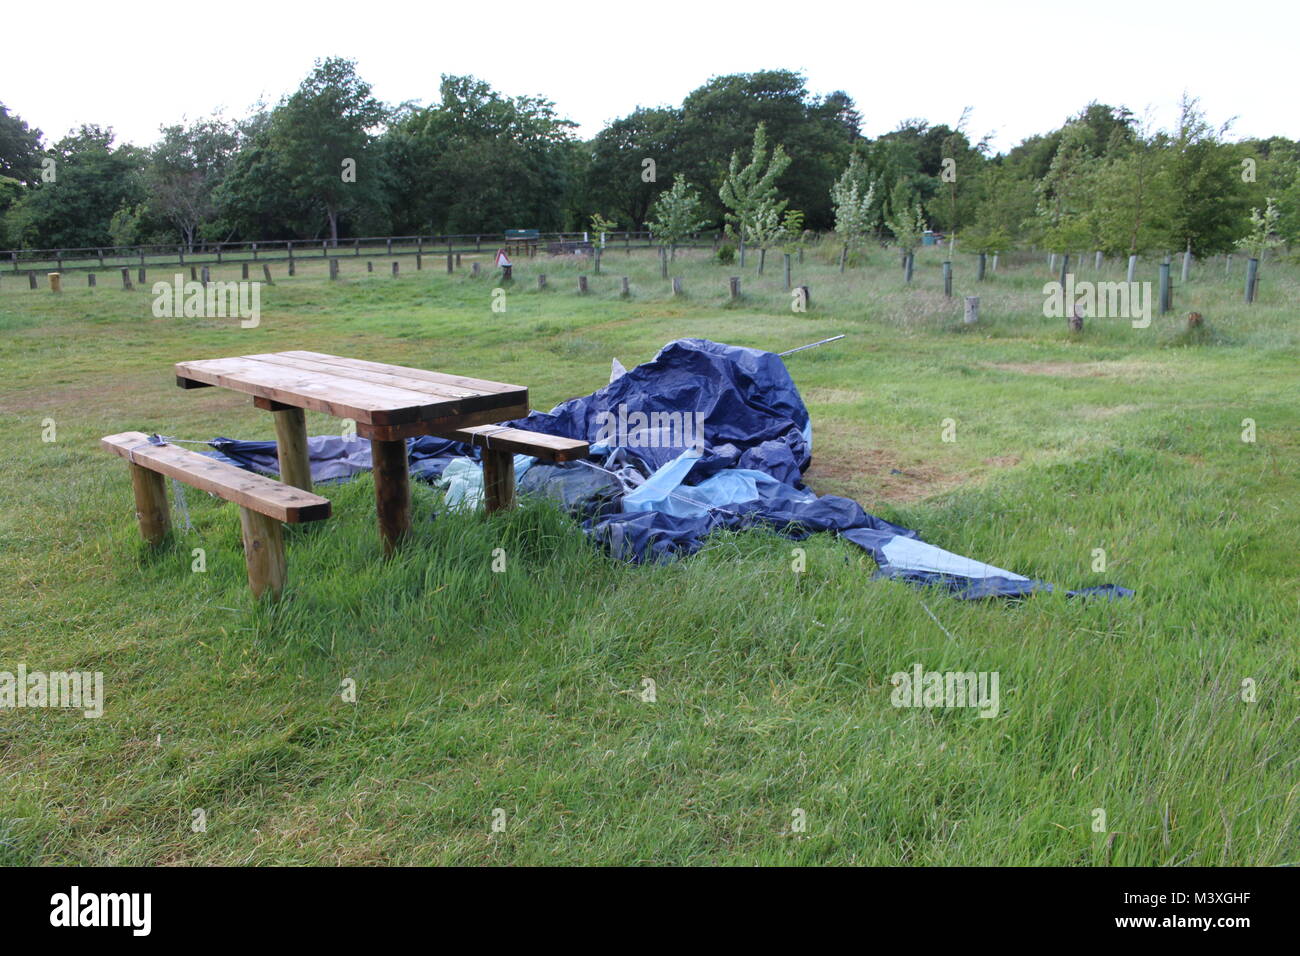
x=772, y=738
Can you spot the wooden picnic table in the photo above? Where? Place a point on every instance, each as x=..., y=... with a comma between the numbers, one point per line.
x=389, y=403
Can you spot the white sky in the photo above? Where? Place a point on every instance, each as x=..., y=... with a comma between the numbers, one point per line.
x=1024, y=67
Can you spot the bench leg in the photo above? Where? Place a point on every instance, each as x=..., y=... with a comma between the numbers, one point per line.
x=498, y=480
x=150, y=503
x=263, y=553
x=291, y=447
x=392, y=490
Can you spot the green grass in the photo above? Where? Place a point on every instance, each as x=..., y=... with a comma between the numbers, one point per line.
x=522, y=690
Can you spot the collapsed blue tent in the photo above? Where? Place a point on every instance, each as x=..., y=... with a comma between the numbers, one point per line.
x=704, y=436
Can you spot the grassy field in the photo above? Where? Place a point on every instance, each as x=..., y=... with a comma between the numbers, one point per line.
x=521, y=691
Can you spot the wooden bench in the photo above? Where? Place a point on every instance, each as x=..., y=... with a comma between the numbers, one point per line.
x=500, y=445
x=263, y=502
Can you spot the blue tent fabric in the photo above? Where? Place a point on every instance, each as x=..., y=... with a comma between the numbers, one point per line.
x=746, y=470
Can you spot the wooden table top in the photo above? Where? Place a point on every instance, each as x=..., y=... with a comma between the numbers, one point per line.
x=370, y=393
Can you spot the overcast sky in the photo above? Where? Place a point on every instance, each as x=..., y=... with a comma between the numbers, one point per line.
x=1024, y=67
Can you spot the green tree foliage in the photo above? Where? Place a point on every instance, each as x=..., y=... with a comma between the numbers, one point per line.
x=1264, y=232
x=817, y=132
x=1206, y=207
x=92, y=181
x=20, y=148
x=184, y=170
x=854, y=199
x=617, y=179
x=479, y=161
x=677, y=215
x=749, y=192
x=327, y=123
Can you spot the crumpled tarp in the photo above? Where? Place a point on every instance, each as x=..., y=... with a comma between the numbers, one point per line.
x=648, y=493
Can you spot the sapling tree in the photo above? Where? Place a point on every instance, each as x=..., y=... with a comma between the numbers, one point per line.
x=599, y=227
x=676, y=215
x=907, y=225
x=1263, y=233
x=853, y=199
x=749, y=192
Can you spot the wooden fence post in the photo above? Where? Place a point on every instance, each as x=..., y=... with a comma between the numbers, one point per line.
x=735, y=286
x=56, y=282
x=627, y=288
x=947, y=279
x=972, y=313
x=243, y=271
x=90, y=279
x=541, y=282
x=582, y=285
x=677, y=285
x=334, y=268
x=266, y=274
x=126, y=279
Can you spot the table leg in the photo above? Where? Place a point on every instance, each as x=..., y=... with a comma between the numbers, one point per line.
x=291, y=447
x=392, y=490
x=498, y=480
x=150, y=503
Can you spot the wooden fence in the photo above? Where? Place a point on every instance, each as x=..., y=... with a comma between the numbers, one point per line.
x=285, y=250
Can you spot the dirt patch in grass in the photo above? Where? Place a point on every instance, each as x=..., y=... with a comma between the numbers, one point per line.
x=1125, y=368
x=873, y=475
x=832, y=396
x=1092, y=412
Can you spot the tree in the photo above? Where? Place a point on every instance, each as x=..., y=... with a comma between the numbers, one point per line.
x=20, y=148
x=1263, y=233
x=322, y=132
x=817, y=132
x=1206, y=206
x=907, y=226
x=749, y=193
x=1063, y=193
x=185, y=169
x=677, y=215
x=853, y=198
x=617, y=178
x=1127, y=188
x=92, y=181
x=480, y=161
x=1007, y=202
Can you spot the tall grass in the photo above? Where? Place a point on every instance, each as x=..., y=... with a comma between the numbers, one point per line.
x=526, y=691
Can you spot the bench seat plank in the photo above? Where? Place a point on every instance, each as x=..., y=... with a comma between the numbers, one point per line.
x=255, y=492
x=519, y=441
